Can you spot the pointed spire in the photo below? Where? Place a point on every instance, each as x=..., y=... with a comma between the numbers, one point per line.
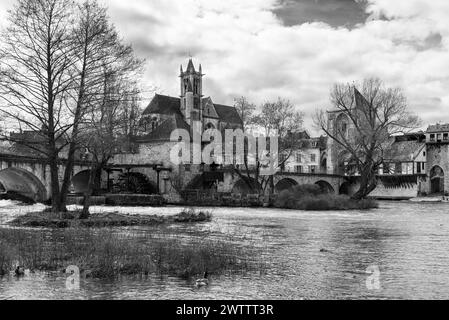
x=201, y=69
x=182, y=71
x=190, y=66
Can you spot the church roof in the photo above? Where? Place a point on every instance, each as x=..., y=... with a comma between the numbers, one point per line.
x=228, y=114
x=172, y=106
x=164, y=105
x=165, y=129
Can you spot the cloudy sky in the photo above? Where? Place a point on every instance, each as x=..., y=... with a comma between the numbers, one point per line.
x=295, y=49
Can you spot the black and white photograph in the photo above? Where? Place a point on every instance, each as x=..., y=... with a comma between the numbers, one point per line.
x=234, y=151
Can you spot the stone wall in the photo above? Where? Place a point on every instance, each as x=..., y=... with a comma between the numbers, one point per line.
x=438, y=155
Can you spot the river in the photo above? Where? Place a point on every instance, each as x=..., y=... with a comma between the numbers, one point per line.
x=408, y=243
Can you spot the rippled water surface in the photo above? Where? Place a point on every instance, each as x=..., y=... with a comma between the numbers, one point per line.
x=408, y=242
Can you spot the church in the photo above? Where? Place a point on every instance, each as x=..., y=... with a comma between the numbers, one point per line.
x=165, y=114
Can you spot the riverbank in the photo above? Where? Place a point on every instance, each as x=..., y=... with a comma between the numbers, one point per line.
x=102, y=253
x=46, y=219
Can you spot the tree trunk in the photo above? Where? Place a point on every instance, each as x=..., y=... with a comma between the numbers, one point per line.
x=74, y=142
x=368, y=182
x=88, y=194
x=54, y=173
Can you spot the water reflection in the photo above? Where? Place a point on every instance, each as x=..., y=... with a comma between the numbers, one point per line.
x=408, y=242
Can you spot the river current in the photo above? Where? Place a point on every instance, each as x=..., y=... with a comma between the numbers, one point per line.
x=399, y=251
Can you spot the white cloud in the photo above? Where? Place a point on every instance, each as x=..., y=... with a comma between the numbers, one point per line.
x=246, y=50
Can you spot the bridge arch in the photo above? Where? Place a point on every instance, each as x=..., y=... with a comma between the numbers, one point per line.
x=285, y=184
x=80, y=181
x=137, y=182
x=242, y=187
x=22, y=183
x=345, y=188
x=325, y=186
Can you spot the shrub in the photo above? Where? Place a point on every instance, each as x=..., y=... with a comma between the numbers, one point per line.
x=313, y=198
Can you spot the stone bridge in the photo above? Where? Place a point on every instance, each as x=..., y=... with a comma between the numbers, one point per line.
x=285, y=180
x=29, y=177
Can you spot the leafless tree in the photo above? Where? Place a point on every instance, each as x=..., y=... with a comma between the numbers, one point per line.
x=36, y=56
x=246, y=110
x=53, y=59
x=279, y=118
x=106, y=129
x=98, y=48
x=373, y=114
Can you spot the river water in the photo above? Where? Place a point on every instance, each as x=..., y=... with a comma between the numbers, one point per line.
x=408, y=243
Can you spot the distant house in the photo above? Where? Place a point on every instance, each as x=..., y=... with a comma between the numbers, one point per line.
x=308, y=155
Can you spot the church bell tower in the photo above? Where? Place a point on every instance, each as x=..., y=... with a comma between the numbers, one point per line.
x=191, y=93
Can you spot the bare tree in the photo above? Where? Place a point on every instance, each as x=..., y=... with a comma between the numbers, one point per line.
x=52, y=67
x=98, y=48
x=36, y=56
x=246, y=110
x=280, y=118
x=109, y=122
x=372, y=113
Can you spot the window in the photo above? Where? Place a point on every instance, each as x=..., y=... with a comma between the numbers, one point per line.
x=298, y=157
x=299, y=169
x=418, y=167
x=439, y=137
x=432, y=137
x=398, y=168
x=312, y=169
x=386, y=168
x=446, y=137
x=424, y=154
x=313, y=157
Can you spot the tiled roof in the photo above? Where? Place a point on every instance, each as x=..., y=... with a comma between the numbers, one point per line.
x=164, y=105
x=403, y=151
x=164, y=130
x=172, y=106
x=438, y=128
x=228, y=114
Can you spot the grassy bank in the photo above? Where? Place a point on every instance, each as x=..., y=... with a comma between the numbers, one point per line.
x=104, y=253
x=71, y=219
x=313, y=198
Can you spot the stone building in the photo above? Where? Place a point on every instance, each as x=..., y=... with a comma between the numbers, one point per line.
x=308, y=154
x=164, y=115
x=437, y=140
x=403, y=174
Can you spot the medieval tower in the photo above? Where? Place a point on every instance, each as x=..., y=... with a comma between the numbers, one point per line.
x=191, y=93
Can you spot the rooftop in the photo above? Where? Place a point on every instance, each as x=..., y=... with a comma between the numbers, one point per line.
x=436, y=128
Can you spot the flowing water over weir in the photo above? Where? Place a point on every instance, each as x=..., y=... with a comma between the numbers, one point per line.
x=309, y=255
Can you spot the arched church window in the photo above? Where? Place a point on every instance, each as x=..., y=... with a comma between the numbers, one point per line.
x=196, y=86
